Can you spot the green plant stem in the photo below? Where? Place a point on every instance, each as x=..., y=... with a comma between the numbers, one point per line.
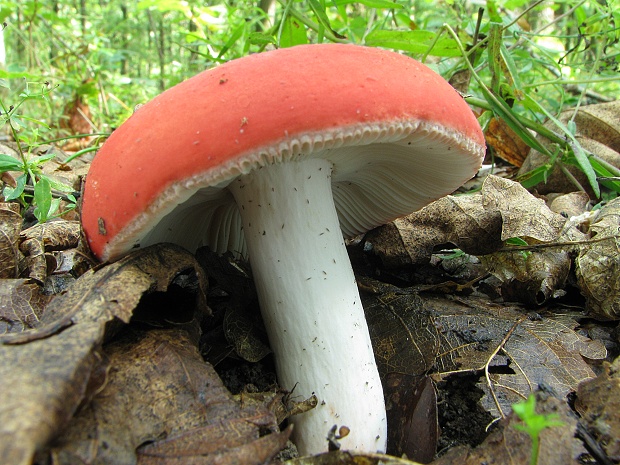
x=534, y=450
x=497, y=106
x=573, y=82
x=76, y=136
x=55, y=193
x=328, y=34
x=526, y=122
x=571, y=177
x=545, y=132
x=79, y=153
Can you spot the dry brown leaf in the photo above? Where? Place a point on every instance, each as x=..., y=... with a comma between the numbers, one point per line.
x=598, y=403
x=478, y=224
x=160, y=392
x=401, y=331
x=21, y=305
x=411, y=405
x=413, y=333
x=571, y=204
x=523, y=215
x=597, y=266
x=460, y=80
x=244, y=332
x=508, y=146
x=244, y=452
x=530, y=277
x=11, y=259
x=70, y=173
x=45, y=372
x=37, y=240
x=235, y=297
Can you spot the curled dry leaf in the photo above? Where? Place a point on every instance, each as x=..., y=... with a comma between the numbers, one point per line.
x=507, y=144
x=530, y=277
x=571, y=204
x=597, y=266
x=42, y=238
x=44, y=372
x=21, y=305
x=598, y=403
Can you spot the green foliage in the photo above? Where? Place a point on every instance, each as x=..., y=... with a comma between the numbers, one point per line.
x=32, y=186
x=533, y=423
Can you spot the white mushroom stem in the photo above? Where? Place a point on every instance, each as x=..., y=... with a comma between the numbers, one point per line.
x=310, y=303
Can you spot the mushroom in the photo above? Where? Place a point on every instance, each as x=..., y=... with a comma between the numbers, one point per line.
x=277, y=156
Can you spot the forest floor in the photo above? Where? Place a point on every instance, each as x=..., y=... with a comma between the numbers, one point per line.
x=88, y=350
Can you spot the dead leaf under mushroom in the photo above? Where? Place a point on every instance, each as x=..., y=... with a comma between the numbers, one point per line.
x=11, y=259
x=480, y=224
x=52, y=364
x=415, y=333
x=21, y=305
x=159, y=394
x=597, y=266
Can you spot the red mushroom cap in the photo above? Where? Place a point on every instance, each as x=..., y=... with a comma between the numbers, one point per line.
x=287, y=103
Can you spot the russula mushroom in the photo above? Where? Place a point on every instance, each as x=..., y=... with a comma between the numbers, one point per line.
x=277, y=155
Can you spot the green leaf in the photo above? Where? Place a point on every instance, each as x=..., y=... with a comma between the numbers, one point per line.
x=39, y=160
x=318, y=8
x=293, y=33
x=8, y=163
x=18, y=73
x=260, y=38
x=12, y=193
x=418, y=42
x=495, y=58
x=59, y=186
x=604, y=171
x=43, y=199
x=536, y=176
x=516, y=241
x=534, y=422
x=238, y=32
